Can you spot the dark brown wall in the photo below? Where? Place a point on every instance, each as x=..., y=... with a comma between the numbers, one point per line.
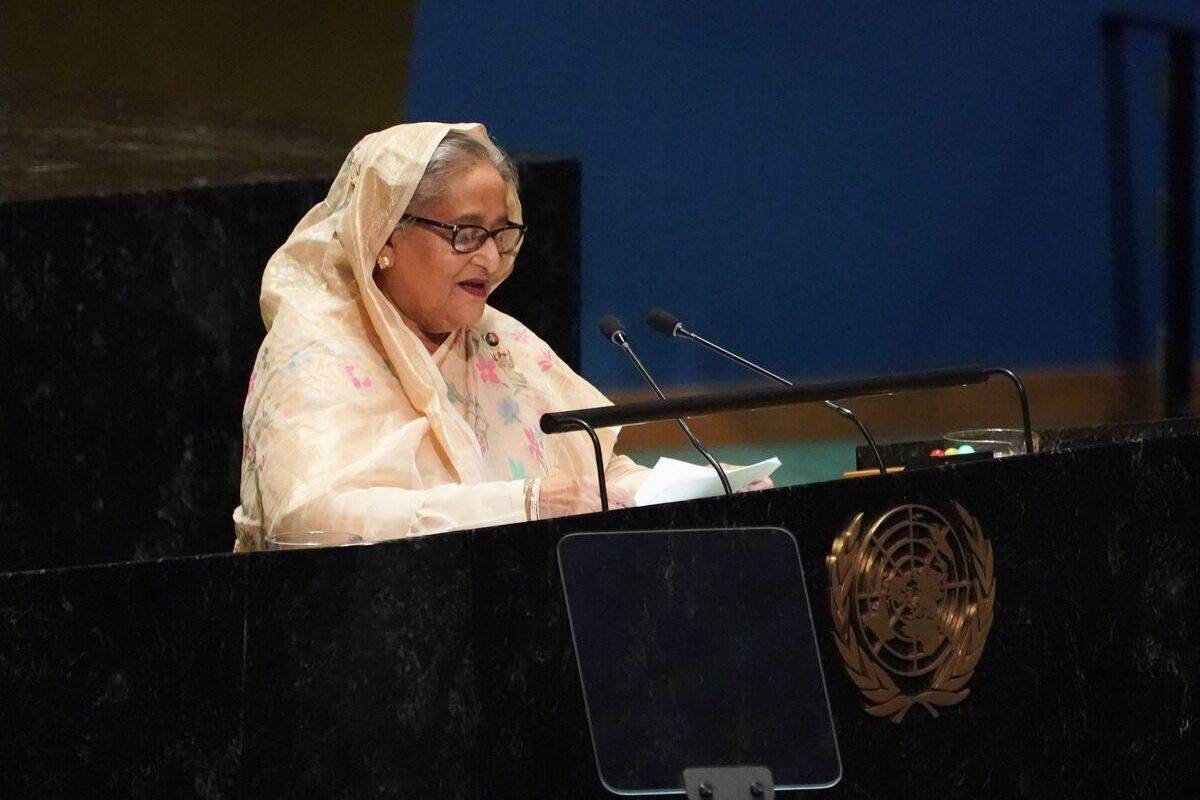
x=334, y=67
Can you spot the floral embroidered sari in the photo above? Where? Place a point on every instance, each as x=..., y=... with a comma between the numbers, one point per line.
x=350, y=425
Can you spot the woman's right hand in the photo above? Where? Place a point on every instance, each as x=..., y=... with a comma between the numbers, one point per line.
x=561, y=496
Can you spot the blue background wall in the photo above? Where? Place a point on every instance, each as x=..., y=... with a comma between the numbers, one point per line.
x=834, y=188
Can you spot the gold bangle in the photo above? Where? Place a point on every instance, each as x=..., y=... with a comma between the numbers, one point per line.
x=535, y=498
x=529, y=499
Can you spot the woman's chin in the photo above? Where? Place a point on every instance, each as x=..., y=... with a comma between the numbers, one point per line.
x=471, y=316
x=461, y=322
x=453, y=318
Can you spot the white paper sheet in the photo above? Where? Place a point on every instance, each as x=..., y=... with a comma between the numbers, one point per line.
x=673, y=480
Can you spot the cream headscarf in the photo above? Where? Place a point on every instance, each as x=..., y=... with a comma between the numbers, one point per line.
x=350, y=425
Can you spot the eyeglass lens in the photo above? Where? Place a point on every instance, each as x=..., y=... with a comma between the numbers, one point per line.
x=470, y=238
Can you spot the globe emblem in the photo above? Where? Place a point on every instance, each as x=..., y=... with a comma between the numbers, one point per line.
x=912, y=590
x=912, y=599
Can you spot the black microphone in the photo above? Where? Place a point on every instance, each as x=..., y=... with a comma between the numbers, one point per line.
x=668, y=324
x=612, y=329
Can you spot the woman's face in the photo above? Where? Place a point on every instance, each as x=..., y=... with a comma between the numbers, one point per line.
x=437, y=289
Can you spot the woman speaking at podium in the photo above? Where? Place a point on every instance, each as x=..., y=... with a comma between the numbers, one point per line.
x=388, y=399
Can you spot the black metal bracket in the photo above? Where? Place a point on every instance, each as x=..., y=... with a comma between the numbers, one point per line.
x=588, y=419
x=1024, y=398
x=644, y=411
x=729, y=783
x=575, y=423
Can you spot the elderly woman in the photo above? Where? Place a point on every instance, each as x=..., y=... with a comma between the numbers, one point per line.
x=388, y=399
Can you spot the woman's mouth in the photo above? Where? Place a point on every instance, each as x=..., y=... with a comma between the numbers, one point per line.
x=476, y=288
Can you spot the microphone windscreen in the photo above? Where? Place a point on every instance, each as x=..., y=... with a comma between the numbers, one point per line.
x=662, y=321
x=610, y=326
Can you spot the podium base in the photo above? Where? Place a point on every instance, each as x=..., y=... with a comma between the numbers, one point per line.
x=729, y=783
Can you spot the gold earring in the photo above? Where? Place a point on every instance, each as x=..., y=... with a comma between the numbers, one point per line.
x=384, y=262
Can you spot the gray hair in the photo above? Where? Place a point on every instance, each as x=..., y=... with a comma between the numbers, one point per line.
x=456, y=152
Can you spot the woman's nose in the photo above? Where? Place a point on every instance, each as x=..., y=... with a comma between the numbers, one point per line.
x=490, y=253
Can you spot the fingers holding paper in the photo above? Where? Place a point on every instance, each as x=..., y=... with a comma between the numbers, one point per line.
x=755, y=486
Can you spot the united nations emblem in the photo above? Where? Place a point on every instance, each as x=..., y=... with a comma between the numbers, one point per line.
x=912, y=601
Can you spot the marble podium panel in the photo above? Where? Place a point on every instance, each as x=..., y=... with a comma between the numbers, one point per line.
x=443, y=666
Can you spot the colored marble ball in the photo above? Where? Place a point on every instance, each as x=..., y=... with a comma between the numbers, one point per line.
x=961, y=450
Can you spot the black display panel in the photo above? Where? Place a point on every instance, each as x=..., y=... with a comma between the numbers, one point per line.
x=696, y=648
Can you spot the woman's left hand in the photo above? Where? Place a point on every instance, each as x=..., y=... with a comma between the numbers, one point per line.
x=765, y=483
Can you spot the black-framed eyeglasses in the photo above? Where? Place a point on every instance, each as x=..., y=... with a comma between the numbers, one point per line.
x=469, y=238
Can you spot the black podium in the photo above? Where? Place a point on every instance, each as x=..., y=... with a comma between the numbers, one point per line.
x=444, y=667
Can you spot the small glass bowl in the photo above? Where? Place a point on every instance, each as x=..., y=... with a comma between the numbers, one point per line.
x=1000, y=441
x=304, y=540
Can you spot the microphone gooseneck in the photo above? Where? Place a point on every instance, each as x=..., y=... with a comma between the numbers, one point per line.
x=612, y=330
x=668, y=324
